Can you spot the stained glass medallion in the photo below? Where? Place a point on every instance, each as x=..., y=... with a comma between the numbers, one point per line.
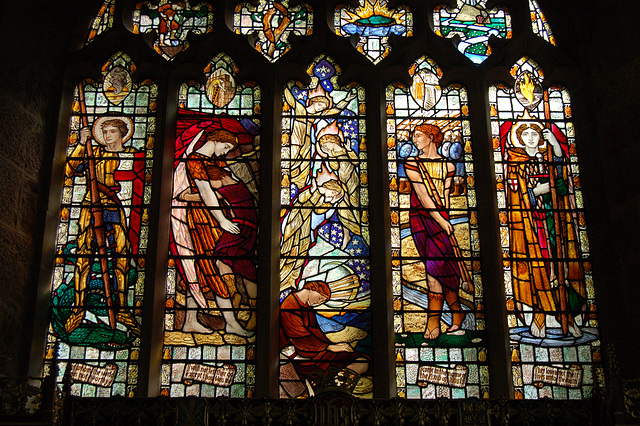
x=99, y=275
x=270, y=23
x=549, y=285
x=539, y=23
x=373, y=22
x=172, y=21
x=325, y=319
x=211, y=288
x=474, y=24
x=103, y=20
x=436, y=270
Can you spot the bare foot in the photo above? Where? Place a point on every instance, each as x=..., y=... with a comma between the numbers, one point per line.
x=574, y=330
x=191, y=324
x=195, y=327
x=238, y=330
x=538, y=331
x=454, y=327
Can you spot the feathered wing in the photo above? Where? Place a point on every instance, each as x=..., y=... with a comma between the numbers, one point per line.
x=300, y=141
x=296, y=224
x=191, y=128
x=296, y=239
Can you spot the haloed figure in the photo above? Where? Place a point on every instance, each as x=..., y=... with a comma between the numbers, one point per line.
x=548, y=287
x=431, y=176
x=110, y=133
x=223, y=226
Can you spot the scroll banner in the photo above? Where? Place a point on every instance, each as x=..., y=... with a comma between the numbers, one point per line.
x=571, y=377
x=218, y=376
x=98, y=376
x=455, y=377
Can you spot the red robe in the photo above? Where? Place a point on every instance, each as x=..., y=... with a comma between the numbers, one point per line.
x=210, y=241
x=299, y=327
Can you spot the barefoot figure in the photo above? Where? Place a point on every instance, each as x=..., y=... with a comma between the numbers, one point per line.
x=104, y=236
x=431, y=177
x=547, y=271
x=215, y=226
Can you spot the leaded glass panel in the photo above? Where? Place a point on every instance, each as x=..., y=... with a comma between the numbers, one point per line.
x=270, y=23
x=103, y=20
x=210, y=319
x=99, y=275
x=373, y=22
x=474, y=24
x=553, y=326
x=539, y=23
x=172, y=21
x=439, y=324
x=325, y=278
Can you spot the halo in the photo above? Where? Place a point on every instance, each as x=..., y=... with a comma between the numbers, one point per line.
x=96, y=129
x=513, y=137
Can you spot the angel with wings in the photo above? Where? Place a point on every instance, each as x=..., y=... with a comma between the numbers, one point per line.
x=325, y=181
x=214, y=224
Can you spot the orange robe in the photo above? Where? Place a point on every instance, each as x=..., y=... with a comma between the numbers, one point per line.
x=532, y=237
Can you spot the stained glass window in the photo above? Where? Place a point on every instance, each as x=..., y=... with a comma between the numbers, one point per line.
x=103, y=20
x=436, y=271
x=324, y=246
x=271, y=23
x=474, y=24
x=99, y=275
x=373, y=23
x=172, y=21
x=547, y=269
x=539, y=23
x=211, y=288
x=208, y=272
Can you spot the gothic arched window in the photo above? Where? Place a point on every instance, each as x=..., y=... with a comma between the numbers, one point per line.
x=276, y=199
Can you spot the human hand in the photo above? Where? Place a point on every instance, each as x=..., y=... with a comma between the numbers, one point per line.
x=351, y=96
x=541, y=188
x=548, y=135
x=85, y=134
x=230, y=226
x=447, y=226
x=340, y=347
x=188, y=196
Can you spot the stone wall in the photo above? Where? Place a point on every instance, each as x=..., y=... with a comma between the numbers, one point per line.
x=36, y=38
x=605, y=44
